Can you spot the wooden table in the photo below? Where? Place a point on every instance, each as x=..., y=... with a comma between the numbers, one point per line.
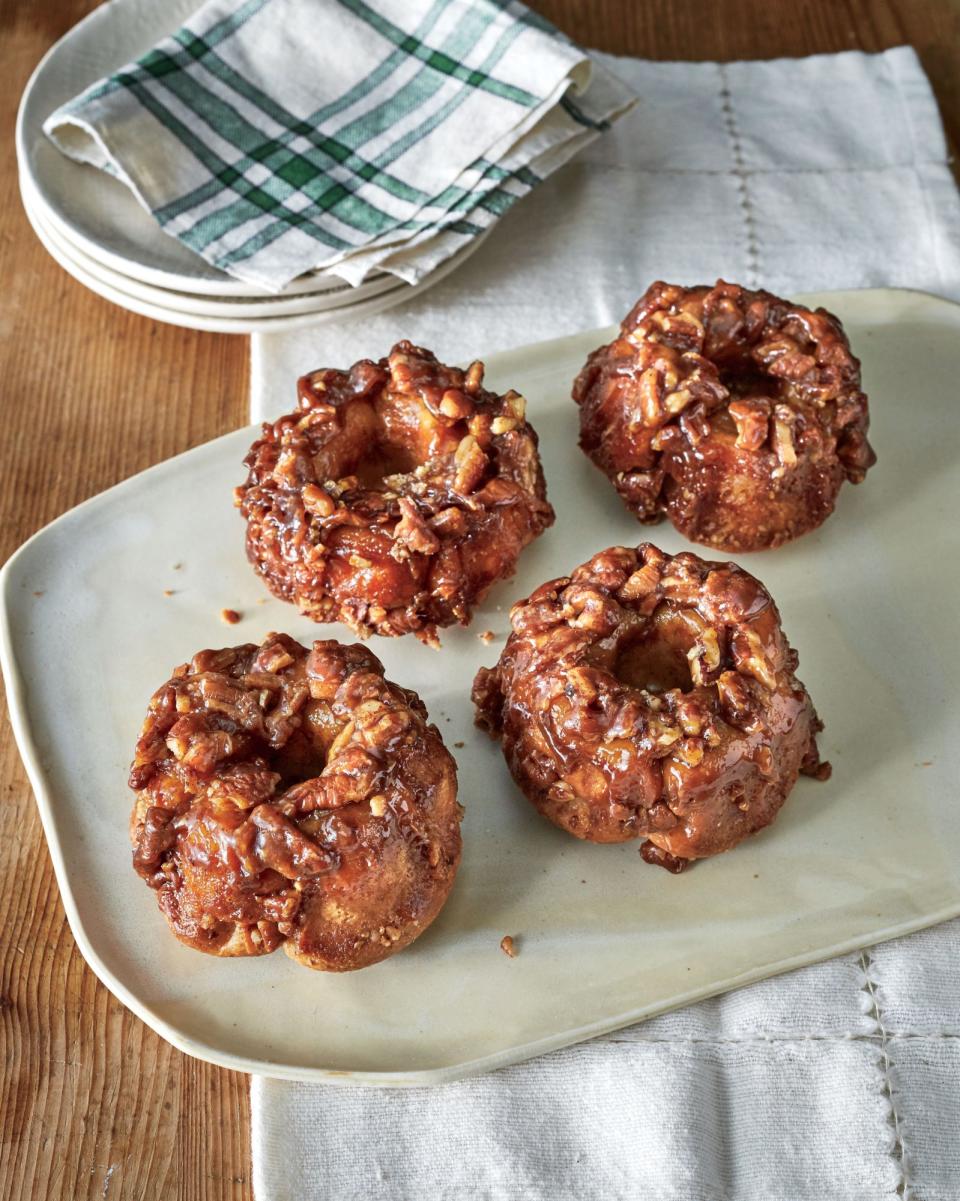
x=92, y=1102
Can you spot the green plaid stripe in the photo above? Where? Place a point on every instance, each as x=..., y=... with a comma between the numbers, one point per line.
x=415, y=93
x=203, y=49
x=479, y=213
x=216, y=34
x=291, y=169
x=308, y=127
x=437, y=58
x=495, y=201
x=570, y=106
x=256, y=199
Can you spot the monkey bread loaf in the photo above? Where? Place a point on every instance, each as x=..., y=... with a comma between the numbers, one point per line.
x=735, y=413
x=650, y=696
x=292, y=797
x=395, y=496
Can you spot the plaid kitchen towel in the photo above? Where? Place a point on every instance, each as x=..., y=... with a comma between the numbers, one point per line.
x=274, y=137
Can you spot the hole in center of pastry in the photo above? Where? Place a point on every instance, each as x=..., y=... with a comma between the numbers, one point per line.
x=392, y=436
x=742, y=380
x=384, y=459
x=303, y=757
x=653, y=664
x=654, y=656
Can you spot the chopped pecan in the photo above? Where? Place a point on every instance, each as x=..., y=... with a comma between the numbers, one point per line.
x=471, y=465
x=260, y=812
x=752, y=417
x=641, y=694
x=411, y=534
x=784, y=420
x=690, y=365
x=382, y=464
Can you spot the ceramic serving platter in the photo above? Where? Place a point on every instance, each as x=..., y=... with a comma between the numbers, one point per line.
x=869, y=601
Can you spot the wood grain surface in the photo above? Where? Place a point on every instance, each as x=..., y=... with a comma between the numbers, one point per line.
x=93, y=1104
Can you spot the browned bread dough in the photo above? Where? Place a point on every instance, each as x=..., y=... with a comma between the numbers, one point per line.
x=650, y=696
x=734, y=413
x=395, y=495
x=294, y=797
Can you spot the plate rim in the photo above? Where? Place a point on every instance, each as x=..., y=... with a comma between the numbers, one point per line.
x=38, y=211
x=16, y=691
x=234, y=309
x=283, y=323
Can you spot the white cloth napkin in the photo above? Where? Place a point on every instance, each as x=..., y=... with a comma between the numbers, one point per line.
x=835, y=1083
x=840, y=1082
x=277, y=136
x=799, y=174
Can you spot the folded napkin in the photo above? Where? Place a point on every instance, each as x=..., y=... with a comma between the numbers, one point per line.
x=835, y=1083
x=273, y=137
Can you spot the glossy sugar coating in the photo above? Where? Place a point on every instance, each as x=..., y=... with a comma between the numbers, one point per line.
x=293, y=797
x=734, y=413
x=650, y=696
x=395, y=495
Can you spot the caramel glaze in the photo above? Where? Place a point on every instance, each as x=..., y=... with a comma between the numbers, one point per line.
x=735, y=413
x=650, y=696
x=395, y=495
x=296, y=798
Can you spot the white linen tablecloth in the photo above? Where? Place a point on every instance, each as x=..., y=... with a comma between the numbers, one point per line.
x=840, y=1082
x=795, y=175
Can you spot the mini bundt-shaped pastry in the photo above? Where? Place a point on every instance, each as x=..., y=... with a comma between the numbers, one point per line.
x=650, y=696
x=735, y=413
x=395, y=496
x=292, y=797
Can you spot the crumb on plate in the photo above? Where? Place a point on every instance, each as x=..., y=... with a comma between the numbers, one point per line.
x=508, y=947
x=230, y=616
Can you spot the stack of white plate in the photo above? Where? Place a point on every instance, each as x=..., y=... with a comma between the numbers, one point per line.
x=98, y=232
